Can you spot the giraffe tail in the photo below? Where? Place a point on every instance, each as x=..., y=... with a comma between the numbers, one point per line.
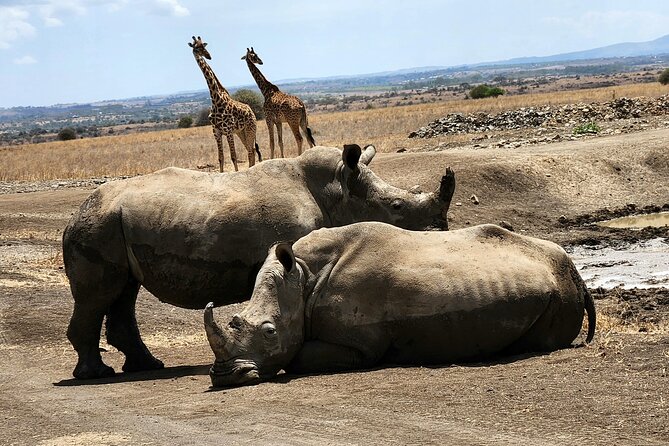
x=258, y=152
x=310, y=137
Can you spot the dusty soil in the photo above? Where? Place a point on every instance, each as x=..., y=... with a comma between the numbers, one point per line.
x=614, y=391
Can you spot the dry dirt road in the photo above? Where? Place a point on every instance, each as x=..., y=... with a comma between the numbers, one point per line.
x=614, y=391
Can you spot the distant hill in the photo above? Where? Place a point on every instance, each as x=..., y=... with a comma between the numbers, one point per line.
x=629, y=49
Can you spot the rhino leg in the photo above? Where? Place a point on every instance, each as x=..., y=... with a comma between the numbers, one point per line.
x=123, y=333
x=319, y=356
x=84, y=334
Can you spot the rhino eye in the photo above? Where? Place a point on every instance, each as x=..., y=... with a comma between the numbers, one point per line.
x=269, y=329
x=397, y=204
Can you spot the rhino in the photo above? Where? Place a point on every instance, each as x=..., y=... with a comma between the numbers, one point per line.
x=356, y=296
x=192, y=237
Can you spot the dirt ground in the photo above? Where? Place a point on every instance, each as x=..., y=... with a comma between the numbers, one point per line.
x=613, y=391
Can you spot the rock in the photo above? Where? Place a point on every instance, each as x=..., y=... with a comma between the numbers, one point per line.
x=474, y=199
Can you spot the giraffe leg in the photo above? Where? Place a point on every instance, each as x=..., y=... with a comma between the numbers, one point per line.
x=295, y=127
x=248, y=137
x=307, y=131
x=218, y=134
x=233, y=153
x=279, y=136
x=270, y=131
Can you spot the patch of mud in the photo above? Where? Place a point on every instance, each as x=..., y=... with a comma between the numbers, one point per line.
x=656, y=220
x=639, y=265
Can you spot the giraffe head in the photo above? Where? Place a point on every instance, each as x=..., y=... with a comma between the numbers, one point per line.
x=199, y=47
x=252, y=57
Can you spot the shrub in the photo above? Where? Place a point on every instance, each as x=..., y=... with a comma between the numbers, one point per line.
x=252, y=99
x=664, y=77
x=587, y=128
x=185, y=122
x=202, y=118
x=67, y=133
x=485, y=91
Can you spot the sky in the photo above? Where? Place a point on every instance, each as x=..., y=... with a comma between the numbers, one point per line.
x=73, y=51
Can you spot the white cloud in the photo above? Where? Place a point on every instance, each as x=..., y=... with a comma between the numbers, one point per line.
x=25, y=60
x=14, y=25
x=166, y=8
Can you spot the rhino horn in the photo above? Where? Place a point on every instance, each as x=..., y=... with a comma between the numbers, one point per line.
x=367, y=154
x=216, y=336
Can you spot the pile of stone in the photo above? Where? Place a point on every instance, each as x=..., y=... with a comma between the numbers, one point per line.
x=545, y=116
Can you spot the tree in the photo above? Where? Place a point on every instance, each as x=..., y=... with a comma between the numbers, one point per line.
x=67, y=133
x=202, y=117
x=252, y=99
x=485, y=91
x=664, y=77
x=185, y=122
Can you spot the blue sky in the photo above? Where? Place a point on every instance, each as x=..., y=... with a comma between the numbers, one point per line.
x=64, y=51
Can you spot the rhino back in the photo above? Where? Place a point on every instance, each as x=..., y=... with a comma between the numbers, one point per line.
x=198, y=237
x=433, y=296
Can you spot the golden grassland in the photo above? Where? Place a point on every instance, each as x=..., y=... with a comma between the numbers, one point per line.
x=386, y=128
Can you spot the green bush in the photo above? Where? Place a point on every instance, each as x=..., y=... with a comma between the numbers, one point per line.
x=587, y=128
x=67, y=133
x=485, y=91
x=185, y=122
x=252, y=99
x=664, y=77
x=202, y=117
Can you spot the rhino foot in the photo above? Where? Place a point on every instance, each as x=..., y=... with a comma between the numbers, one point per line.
x=144, y=363
x=88, y=371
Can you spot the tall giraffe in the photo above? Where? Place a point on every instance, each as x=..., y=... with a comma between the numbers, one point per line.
x=228, y=117
x=279, y=108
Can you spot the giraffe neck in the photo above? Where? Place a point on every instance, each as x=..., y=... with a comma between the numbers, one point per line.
x=266, y=87
x=216, y=89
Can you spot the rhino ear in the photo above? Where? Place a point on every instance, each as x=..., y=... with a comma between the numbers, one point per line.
x=284, y=253
x=351, y=155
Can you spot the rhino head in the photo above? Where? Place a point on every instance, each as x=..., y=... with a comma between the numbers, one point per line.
x=357, y=194
x=266, y=335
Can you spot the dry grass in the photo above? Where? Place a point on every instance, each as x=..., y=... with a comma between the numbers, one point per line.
x=387, y=128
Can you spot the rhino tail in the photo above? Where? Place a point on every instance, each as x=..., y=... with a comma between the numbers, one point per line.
x=589, y=302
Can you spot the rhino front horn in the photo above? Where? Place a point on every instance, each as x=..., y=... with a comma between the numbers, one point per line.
x=215, y=335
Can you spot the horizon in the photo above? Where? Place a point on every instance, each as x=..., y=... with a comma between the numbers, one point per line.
x=56, y=54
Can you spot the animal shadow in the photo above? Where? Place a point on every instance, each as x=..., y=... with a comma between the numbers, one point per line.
x=151, y=375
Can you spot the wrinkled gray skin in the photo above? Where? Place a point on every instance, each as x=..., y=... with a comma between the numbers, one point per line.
x=190, y=237
x=369, y=293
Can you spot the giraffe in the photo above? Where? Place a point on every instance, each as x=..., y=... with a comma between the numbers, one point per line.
x=279, y=108
x=228, y=117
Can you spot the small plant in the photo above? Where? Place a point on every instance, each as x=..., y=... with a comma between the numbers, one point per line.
x=485, y=91
x=67, y=134
x=664, y=77
x=202, y=117
x=252, y=99
x=589, y=128
x=185, y=122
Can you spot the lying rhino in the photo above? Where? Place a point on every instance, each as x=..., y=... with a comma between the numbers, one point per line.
x=190, y=237
x=355, y=296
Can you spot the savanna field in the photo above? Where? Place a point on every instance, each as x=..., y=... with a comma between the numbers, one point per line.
x=386, y=128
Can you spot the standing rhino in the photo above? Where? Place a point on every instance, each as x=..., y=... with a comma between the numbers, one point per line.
x=190, y=237
x=352, y=297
